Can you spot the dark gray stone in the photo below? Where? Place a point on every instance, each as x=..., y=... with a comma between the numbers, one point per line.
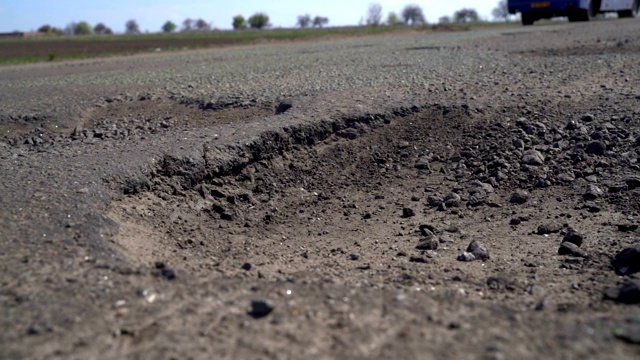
x=519, y=197
x=593, y=192
x=571, y=125
x=466, y=256
x=452, y=200
x=571, y=249
x=261, y=308
x=549, y=228
x=408, y=212
x=423, y=164
x=532, y=157
x=428, y=243
x=478, y=250
x=632, y=181
x=627, y=261
x=587, y=118
x=574, y=237
x=596, y=148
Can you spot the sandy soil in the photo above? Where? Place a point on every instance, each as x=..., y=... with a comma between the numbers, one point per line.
x=450, y=196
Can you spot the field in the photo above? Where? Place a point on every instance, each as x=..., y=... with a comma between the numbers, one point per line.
x=409, y=194
x=56, y=48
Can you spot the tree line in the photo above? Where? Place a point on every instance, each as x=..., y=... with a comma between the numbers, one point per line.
x=411, y=15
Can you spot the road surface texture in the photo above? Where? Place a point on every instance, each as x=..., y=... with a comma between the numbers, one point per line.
x=423, y=195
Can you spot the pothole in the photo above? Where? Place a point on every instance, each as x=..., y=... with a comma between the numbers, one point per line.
x=353, y=197
x=125, y=118
x=154, y=114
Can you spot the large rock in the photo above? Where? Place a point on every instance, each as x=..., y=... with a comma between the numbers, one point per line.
x=261, y=308
x=532, y=157
x=571, y=249
x=548, y=228
x=452, y=200
x=478, y=250
x=596, y=147
x=573, y=236
x=632, y=181
x=627, y=261
x=519, y=197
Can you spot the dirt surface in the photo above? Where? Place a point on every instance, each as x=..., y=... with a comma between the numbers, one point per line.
x=464, y=195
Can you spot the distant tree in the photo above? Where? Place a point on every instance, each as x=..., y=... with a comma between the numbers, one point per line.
x=259, y=20
x=187, y=25
x=413, y=15
x=444, y=20
x=169, y=27
x=501, y=11
x=48, y=29
x=374, y=14
x=202, y=25
x=465, y=15
x=320, y=21
x=45, y=29
x=82, y=28
x=102, y=29
x=304, y=21
x=393, y=19
x=239, y=22
x=131, y=27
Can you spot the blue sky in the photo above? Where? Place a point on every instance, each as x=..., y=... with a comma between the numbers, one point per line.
x=27, y=15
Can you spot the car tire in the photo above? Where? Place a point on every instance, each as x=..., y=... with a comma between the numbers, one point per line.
x=527, y=19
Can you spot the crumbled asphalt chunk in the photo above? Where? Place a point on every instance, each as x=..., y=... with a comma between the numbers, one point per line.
x=592, y=192
x=627, y=261
x=519, y=197
x=596, y=147
x=532, y=157
x=466, y=256
x=408, y=212
x=571, y=125
x=261, y=308
x=549, y=228
x=423, y=164
x=452, y=200
x=428, y=243
x=587, y=118
x=573, y=236
x=632, y=181
x=478, y=250
x=571, y=249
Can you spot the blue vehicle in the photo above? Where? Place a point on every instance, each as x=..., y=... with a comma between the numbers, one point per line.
x=576, y=10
